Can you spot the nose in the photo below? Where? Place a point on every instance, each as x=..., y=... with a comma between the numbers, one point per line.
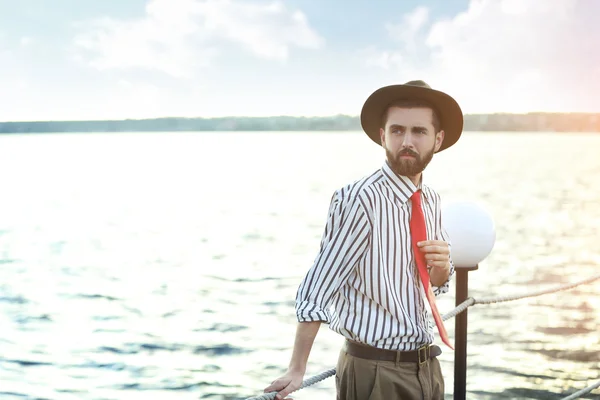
x=407, y=141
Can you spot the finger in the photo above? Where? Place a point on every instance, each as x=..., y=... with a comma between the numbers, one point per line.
x=431, y=243
x=274, y=386
x=288, y=389
x=435, y=249
x=271, y=389
x=436, y=257
x=442, y=264
x=438, y=264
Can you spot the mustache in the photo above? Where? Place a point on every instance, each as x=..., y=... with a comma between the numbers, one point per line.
x=408, y=152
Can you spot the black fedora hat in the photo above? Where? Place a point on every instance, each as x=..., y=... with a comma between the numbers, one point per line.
x=448, y=110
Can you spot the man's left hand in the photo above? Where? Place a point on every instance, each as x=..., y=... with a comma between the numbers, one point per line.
x=437, y=253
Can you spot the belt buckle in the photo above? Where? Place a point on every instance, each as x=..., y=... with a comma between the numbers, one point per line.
x=423, y=353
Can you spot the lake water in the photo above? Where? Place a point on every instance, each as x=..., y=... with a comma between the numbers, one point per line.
x=165, y=265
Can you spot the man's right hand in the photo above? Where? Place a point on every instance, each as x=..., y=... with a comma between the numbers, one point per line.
x=291, y=381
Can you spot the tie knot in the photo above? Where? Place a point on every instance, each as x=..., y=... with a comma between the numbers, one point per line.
x=416, y=197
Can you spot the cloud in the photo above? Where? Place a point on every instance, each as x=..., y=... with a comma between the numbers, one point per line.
x=409, y=27
x=16, y=88
x=140, y=99
x=504, y=55
x=179, y=36
x=407, y=33
x=26, y=41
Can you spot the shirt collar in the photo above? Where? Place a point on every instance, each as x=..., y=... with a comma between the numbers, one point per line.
x=401, y=185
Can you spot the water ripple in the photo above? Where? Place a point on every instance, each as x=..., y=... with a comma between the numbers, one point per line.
x=151, y=279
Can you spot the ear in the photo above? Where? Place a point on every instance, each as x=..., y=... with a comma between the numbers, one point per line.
x=439, y=139
x=382, y=136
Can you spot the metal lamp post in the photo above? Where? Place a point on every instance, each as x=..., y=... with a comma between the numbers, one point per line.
x=472, y=236
x=460, y=333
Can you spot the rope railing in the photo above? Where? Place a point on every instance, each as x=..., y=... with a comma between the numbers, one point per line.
x=460, y=308
x=500, y=299
x=308, y=382
x=580, y=393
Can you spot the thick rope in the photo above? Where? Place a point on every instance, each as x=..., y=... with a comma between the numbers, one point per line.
x=308, y=382
x=499, y=299
x=580, y=393
x=460, y=308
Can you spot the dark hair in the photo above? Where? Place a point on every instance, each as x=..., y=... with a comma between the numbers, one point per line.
x=412, y=103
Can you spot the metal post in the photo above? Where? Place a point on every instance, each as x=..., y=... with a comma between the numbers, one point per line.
x=460, y=334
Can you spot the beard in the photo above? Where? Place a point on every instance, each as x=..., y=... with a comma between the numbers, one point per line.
x=408, y=166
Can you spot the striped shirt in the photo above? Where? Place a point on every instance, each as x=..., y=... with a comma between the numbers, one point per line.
x=364, y=281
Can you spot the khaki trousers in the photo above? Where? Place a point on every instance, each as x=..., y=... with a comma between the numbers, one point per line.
x=361, y=379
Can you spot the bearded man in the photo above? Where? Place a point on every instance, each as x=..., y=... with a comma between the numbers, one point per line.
x=384, y=257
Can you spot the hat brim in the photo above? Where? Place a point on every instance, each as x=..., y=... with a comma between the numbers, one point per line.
x=449, y=112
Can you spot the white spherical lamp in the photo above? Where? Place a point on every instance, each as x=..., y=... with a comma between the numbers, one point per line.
x=471, y=230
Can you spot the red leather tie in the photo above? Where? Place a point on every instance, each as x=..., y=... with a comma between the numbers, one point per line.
x=418, y=232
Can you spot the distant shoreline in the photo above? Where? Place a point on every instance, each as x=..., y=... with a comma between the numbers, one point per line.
x=531, y=122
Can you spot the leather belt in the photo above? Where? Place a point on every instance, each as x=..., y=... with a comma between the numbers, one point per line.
x=421, y=355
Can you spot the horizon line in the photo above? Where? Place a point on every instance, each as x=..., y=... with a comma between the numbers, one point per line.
x=288, y=116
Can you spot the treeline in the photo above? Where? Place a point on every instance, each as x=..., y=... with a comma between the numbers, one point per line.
x=557, y=122
x=341, y=122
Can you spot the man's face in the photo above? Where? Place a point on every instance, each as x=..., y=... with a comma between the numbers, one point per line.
x=409, y=140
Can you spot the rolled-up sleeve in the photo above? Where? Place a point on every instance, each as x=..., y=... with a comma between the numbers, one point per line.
x=344, y=242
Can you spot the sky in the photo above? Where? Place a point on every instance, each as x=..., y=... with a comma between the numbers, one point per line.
x=116, y=59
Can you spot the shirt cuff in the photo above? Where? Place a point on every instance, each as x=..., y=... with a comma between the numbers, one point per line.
x=437, y=290
x=310, y=312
